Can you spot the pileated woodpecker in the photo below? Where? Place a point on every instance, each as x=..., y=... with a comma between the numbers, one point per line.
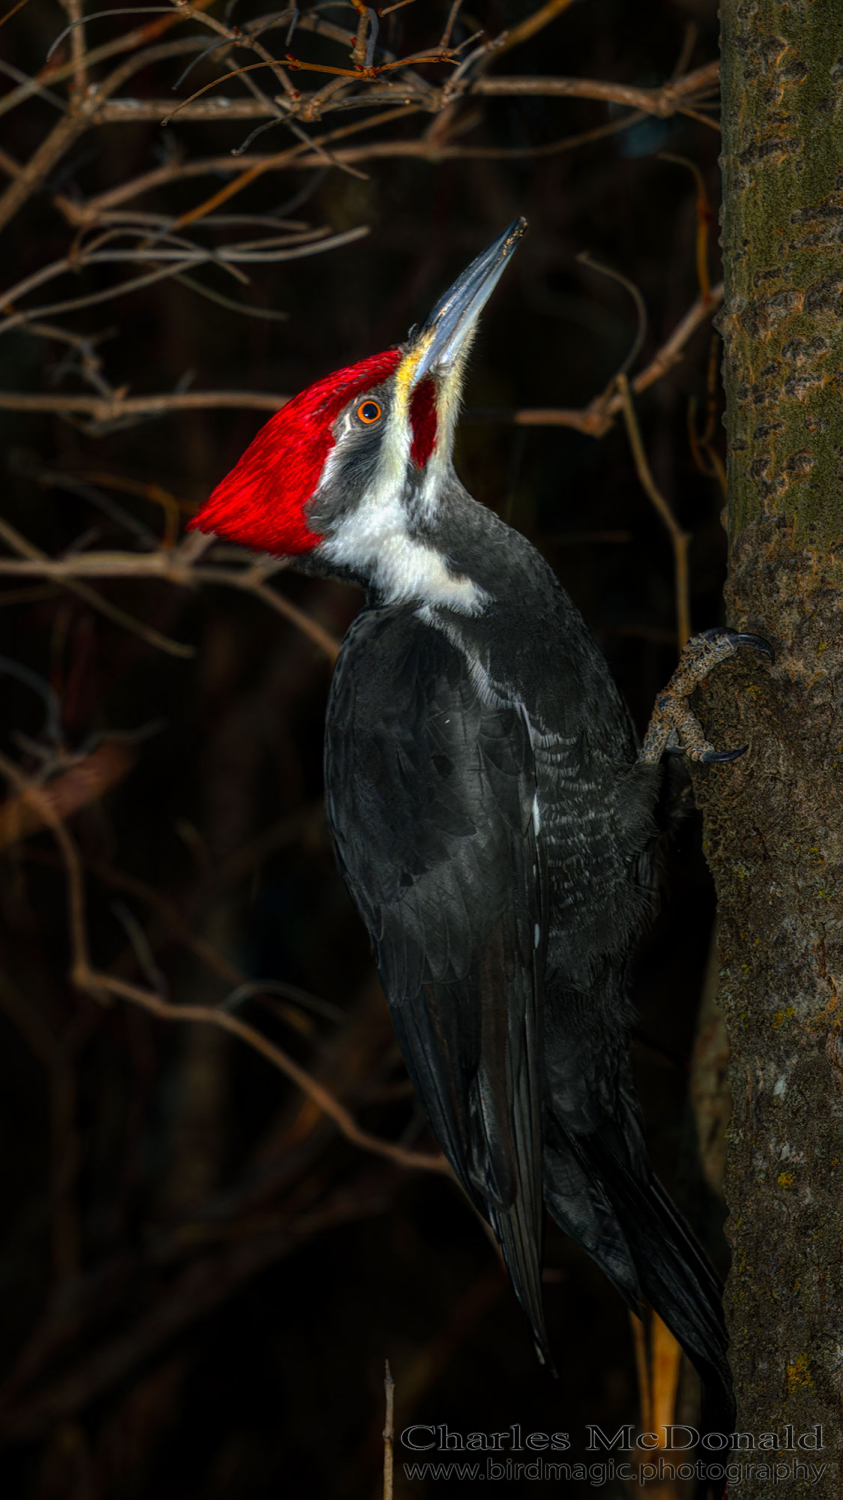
x=491, y=813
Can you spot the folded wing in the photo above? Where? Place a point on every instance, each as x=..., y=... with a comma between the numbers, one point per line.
x=431, y=790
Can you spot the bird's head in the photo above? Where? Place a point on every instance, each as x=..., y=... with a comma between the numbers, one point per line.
x=341, y=472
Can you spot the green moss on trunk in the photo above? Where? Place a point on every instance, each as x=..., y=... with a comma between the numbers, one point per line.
x=774, y=821
x=783, y=242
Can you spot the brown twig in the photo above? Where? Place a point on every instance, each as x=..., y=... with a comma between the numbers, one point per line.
x=296, y=158
x=37, y=560
x=168, y=246
x=141, y=36
x=114, y=409
x=78, y=46
x=663, y=101
x=534, y=23
x=703, y=443
x=55, y=1053
x=586, y=259
x=705, y=219
x=74, y=123
x=642, y=1370
x=13, y=12
x=595, y=420
x=200, y=1288
x=666, y=1362
x=251, y=583
x=680, y=539
x=172, y=923
x=668, y=99
x=170, y=567
x=98, y=984
x=105, y=987
x=598, y=417
x=288, y=158
x=388, y=1434
x=73, y=789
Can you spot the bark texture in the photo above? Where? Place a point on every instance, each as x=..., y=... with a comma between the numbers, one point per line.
x=774, y=821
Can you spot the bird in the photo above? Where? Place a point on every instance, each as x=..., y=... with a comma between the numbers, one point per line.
x=492, y=813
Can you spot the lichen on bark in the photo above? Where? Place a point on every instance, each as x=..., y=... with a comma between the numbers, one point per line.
x=774, y=821
x=783, y=243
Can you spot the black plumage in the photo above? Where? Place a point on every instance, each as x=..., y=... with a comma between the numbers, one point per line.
x=494, y=821
x=492, y=815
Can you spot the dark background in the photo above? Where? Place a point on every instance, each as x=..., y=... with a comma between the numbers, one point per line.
x=201, y=1278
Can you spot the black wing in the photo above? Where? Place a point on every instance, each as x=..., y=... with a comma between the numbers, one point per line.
x=431, y=790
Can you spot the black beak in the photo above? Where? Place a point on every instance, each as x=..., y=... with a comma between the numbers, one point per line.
x=449, y=329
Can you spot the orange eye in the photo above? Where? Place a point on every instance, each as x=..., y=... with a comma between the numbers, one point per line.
x=369, y=411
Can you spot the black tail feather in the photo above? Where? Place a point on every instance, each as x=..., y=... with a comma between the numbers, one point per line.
x=663, y=1259
x=521, y=1247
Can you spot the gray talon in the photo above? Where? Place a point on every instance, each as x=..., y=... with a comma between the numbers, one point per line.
x=713, y=757
x=740, y=638
x=743, y=638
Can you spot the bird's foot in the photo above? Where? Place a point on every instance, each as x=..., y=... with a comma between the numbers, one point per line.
x=673, y=727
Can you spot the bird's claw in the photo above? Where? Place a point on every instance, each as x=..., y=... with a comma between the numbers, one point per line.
x=739, y=638
x=673, y=727
x=708, y=757
x=715, y=757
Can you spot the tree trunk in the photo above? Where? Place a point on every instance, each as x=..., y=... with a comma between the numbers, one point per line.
x=774, y=820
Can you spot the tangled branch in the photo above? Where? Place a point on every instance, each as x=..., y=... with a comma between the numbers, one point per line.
x=220, y=204
x=87, y=978
x=110, y=229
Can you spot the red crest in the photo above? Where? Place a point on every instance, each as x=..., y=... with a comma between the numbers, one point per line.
x=261, y=502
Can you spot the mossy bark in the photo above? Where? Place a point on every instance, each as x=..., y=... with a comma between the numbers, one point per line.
x=774, y=821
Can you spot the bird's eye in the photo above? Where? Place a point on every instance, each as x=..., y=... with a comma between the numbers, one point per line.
x=369, y=411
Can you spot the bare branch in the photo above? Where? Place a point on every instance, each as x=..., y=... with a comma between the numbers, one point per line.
x=106, y=410
x=73, y=124
x=107, y=986
x=388, y=1434
x=96, y=983
x=200, y=1288
x=668, y=99
x=167, y=566
x=37, y=559
x=598, y=417
x=705, y=219
x=534, y=23
x=76, y=787
x=680, y=539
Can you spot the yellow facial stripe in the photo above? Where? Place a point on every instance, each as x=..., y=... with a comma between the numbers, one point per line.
x=405, y=374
